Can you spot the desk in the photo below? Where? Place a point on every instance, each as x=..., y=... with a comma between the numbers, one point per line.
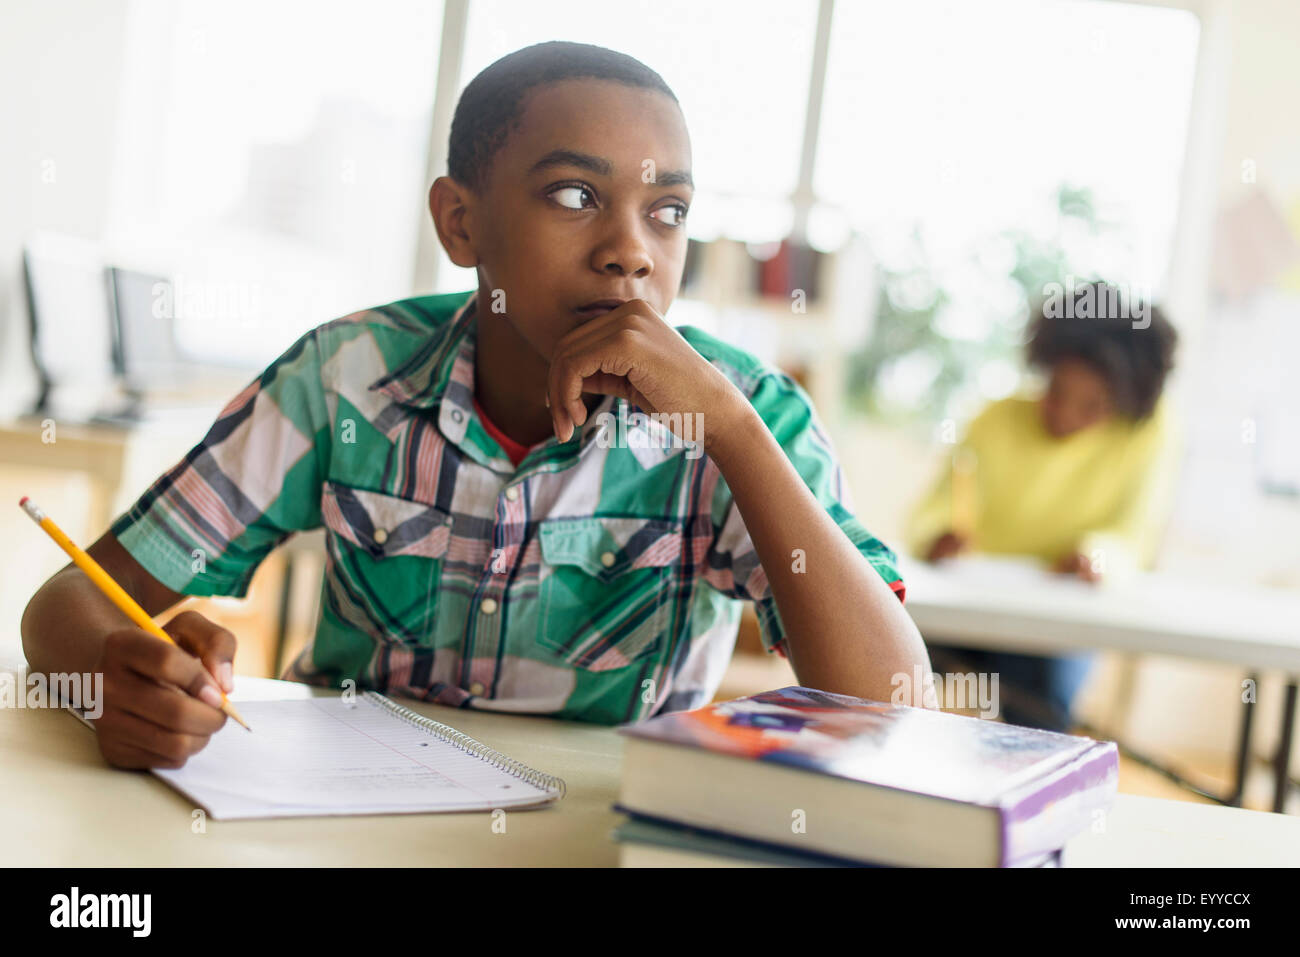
x=1155, y=832
x=63, y=806
x=1014, y=605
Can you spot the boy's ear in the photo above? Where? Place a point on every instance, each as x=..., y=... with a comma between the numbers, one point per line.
x=449, y=207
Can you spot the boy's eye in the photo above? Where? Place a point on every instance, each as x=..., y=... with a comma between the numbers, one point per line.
x=677, y=214
x=573, y=194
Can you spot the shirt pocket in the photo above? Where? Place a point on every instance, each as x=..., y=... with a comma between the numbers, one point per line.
x=385, y=556
x=605, y=588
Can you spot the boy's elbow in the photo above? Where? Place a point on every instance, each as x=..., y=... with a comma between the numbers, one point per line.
x=35, y=625
x=29, y=631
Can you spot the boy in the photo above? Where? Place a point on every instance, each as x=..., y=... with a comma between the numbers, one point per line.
x=493, y=541
x=1078, y=477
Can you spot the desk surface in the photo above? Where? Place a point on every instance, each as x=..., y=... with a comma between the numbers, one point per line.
x=1014, y=605
x=62, y=805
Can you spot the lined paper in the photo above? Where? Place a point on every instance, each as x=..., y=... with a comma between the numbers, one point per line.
x=323, y=756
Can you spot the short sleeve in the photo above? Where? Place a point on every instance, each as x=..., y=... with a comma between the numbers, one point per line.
x=732, y=564
x=255, y=478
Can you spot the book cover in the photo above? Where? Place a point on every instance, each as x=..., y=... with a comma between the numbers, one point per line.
x=1041, y=783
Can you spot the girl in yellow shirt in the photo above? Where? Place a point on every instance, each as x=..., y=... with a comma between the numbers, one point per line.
x=1079, y=477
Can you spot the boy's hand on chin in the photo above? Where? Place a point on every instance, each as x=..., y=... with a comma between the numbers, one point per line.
x=633, y=353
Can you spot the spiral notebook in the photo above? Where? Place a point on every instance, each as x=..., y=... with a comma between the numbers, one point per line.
x=366, y=755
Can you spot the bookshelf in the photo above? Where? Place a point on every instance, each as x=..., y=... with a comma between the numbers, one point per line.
x=721, y=293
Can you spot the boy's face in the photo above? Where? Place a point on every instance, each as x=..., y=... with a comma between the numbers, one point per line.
x=1077, y=396
x=567, y=216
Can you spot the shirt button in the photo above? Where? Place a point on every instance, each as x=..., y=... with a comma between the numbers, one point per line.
x=607, y=559
x=381, y=536
x=476, y=687
x=512, y=493
x=488, y=606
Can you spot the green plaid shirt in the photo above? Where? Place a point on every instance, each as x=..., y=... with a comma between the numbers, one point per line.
x=599, y=580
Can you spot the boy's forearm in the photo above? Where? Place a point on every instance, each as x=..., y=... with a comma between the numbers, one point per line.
x=846, y=630
x=65, y=623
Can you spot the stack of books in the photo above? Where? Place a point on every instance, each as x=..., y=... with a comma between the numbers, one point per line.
x=800, y=777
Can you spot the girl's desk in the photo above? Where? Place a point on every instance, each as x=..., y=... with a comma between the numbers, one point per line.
x=63, y=806
x=1013, y=604
x=1009, y=604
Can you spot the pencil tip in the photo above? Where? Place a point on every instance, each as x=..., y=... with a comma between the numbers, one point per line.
x=234, y=715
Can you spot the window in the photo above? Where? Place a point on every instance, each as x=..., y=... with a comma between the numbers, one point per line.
x=271, y=158
x=984, y=149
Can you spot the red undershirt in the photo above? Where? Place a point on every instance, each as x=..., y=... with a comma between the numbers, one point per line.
x=513, y=449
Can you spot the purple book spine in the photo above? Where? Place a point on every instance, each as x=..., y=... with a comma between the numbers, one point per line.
x=1047, y=812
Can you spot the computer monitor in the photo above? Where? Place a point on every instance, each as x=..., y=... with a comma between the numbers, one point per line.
x=145, y=355
x=68, y=307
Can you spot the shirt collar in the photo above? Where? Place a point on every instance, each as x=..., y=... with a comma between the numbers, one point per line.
x=421, y=380
x=441, y=374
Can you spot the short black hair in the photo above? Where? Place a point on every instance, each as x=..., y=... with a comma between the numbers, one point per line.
x=1109, y=331
x=491, y=106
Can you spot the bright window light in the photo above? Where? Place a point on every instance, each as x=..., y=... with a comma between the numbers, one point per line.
x=962, y=119
x=271, y=157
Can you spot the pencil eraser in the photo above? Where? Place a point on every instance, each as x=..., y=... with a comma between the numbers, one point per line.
x=22, y=502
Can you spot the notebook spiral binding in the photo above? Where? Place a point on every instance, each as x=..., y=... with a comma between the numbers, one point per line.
x=539, y=779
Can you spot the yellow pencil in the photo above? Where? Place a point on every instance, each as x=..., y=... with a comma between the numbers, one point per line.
x=116, y=593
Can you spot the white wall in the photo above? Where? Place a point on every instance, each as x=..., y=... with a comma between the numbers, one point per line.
x=60, y=76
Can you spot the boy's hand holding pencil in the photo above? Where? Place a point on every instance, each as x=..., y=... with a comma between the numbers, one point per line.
x=161, y=702
x=164, y=687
